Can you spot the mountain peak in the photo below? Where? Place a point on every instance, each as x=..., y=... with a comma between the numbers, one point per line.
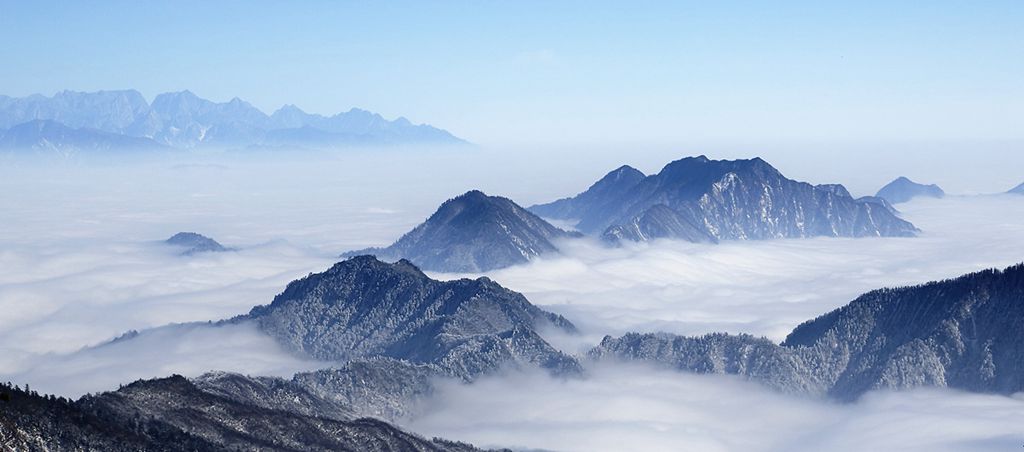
x=474, y=232
x=902, y=189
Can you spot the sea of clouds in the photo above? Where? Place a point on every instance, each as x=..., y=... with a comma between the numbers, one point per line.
x=81, y=262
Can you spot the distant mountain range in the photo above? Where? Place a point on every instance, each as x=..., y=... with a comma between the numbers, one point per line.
x=474, y=232
x=703, y=200
x=52, y=136
x=903, y=190
x=123, y=120
x=963, y=333
x=1018, y=190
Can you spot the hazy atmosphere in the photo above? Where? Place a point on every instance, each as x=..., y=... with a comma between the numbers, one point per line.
x=781, y=162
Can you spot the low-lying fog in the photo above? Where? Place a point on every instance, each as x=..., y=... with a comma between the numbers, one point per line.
x=81, y=262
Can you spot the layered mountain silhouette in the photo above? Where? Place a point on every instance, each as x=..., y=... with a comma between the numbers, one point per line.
x=365, y=308
x=903, y=190
x=49, y=136
x=115, y=120
x=703, y=200
x=474, y=232
x=173, y=414
x=963, y=333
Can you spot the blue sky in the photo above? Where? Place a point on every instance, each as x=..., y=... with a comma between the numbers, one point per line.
x=558, y=72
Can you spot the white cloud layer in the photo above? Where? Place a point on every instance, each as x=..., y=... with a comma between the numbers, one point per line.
x=80, y=263
x=632, y=407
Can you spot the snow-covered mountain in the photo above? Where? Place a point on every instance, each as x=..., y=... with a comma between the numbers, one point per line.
x=703, y=200
x=184, y=120
x=902, y=190
x=1018, y=190
x=963, y=333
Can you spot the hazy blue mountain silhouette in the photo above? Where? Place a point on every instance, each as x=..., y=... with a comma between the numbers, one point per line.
x=185, y=120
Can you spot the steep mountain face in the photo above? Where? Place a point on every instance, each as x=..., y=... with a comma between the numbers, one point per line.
x=1018, y=190
x=698, y=199
x=54, y=137
x=364, y=308
x=659, y=221
x=172, y=414
x=963, y=333
x=192, y=243
x=903, y=190
x=474, y=233
x=598, y=198
x=184, y=120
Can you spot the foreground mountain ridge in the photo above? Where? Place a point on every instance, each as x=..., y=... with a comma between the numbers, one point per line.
x=173, y=414
x=702, y=200
x=123, y=120
x=963, y=333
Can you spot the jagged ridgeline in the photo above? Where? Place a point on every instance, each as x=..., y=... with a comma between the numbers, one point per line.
x=474, y=232
x=703, y=200
x=73, y=121
x=965, y=333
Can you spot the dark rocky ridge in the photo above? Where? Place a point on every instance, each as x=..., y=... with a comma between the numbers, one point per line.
x=365, y=308
x=699, y=199
x=963, y=333
x=172, y=414
x=474, y=233
x=903, y=190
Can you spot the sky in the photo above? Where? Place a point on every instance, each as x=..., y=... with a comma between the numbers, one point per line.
x=809, y=75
